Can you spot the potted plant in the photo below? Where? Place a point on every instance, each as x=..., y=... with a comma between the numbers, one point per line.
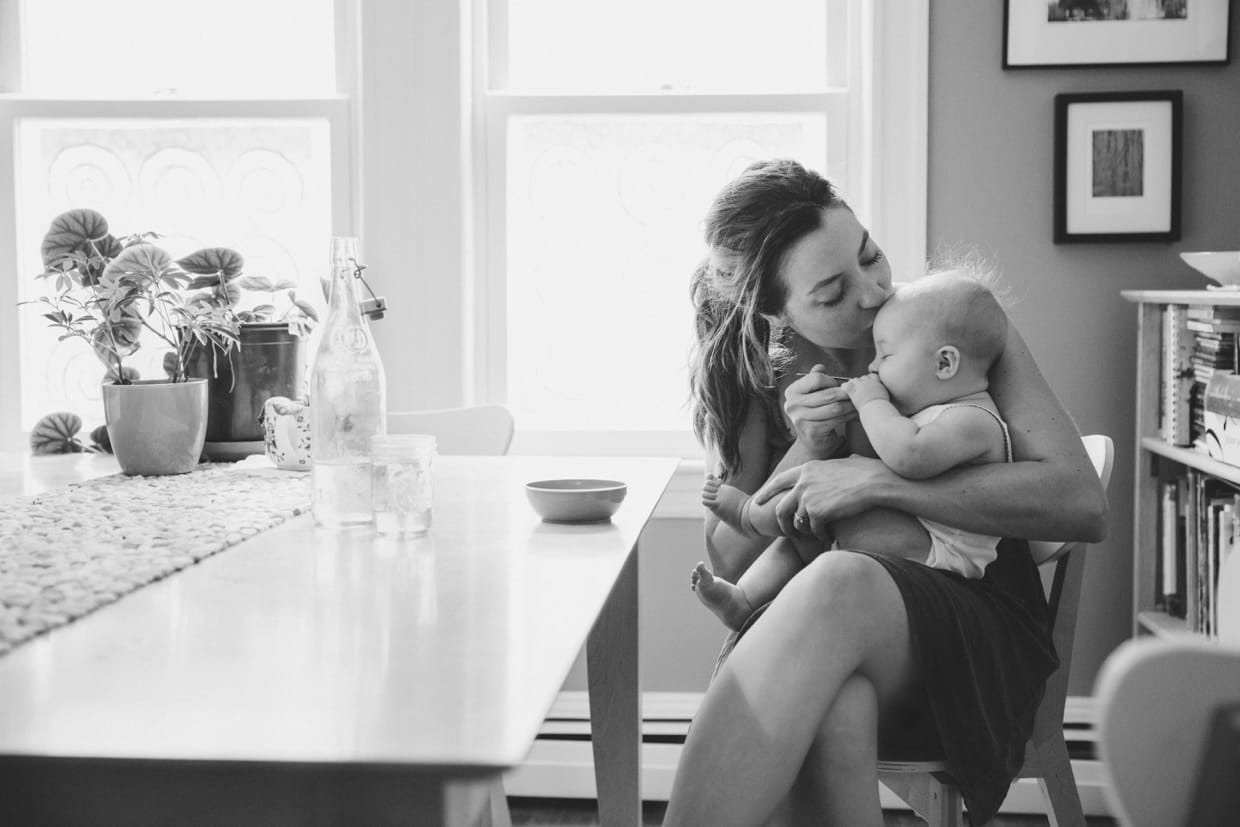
x=111, y=292
x=269, y=360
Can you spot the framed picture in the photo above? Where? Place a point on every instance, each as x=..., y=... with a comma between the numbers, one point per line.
x=1061, y=33
x=1117, y=166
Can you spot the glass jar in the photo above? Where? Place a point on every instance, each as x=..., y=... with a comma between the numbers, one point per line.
x=401, y=483
x=348, y=400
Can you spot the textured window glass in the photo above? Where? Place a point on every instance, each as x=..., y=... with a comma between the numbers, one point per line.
x=604, y=230
x=224, y=48
x=681, y=45
x=260, y=187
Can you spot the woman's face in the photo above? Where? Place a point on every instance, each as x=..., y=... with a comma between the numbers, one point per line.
x=837, y=278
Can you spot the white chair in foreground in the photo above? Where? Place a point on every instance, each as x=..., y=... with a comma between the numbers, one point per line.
x=928, y=787
x=1169, y=732
x=1169, y=722
x=480, y=430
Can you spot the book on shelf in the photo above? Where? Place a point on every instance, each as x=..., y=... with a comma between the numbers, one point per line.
x=1169, y=563
x=1200, y=528
x=1212, y=325
x=1177, y=376
x=1212, y=312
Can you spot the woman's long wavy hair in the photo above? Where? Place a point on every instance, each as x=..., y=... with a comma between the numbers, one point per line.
x=737, y=357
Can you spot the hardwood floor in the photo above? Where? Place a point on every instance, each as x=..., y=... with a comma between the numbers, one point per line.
x=557, y=812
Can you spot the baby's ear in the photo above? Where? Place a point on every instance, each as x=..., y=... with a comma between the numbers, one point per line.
x=947, y=362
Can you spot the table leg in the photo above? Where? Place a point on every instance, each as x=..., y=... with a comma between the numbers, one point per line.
x=615, y=702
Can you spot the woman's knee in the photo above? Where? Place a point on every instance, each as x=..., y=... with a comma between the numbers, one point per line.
x=846, y=581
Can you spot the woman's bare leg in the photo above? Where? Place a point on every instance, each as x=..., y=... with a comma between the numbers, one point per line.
x=838, y=783
x=841, y=616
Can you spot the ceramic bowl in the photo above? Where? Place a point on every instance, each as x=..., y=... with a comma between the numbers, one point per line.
x=1223, y=268
x=575, y=500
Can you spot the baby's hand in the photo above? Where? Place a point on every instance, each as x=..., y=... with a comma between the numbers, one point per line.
x=865, y=389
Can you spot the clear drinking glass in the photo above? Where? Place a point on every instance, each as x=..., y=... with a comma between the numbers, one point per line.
x=401, y=490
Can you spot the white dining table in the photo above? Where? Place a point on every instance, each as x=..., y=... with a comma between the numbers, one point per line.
x=309, y=676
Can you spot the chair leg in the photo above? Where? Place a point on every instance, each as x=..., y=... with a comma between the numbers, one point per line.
x=1058, y=785
x=948, y=806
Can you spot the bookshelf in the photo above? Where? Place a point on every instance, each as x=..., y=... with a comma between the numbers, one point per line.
x=1160, y=463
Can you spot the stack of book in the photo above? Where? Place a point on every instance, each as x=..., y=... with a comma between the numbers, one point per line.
x=1200, y=526
x=1213, y=332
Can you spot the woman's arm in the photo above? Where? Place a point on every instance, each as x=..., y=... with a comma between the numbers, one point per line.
x=1050, y=492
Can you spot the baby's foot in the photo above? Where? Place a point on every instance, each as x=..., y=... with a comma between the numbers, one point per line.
x=727, y=502
x=725, y=599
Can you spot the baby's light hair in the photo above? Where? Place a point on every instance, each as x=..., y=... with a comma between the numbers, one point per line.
x=964, y=310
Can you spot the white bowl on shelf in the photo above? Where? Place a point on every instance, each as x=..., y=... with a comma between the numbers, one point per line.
x=1223, y=268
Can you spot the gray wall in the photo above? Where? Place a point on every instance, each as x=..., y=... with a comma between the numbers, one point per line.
x=991, y=181
x=991, y=158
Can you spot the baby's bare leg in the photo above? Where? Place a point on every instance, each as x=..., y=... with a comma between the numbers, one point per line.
x=727, y=502
x=737, y=509
x=734, y=603
x=883, y=531
x=725, y=599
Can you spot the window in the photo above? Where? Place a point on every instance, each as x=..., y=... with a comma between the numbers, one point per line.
x=528, y=180
x=168, y=118
x=600, y=152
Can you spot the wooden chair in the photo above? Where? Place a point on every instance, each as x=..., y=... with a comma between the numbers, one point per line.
x=927, y=786
x=479, y=430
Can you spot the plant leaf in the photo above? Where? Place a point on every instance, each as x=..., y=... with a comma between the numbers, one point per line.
x=214, y=260
x=203, y=282
x=71, y=231
x=307, y=308
x=258, y=283
x=144, y=260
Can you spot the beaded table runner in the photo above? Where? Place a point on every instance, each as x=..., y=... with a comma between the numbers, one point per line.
x=66, y=552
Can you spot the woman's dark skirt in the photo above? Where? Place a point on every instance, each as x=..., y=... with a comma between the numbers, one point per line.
x=984, y=651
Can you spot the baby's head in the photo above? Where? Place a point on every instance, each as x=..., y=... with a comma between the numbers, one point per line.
x=937, y=338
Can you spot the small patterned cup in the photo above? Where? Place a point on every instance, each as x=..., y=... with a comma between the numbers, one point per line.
x=286, y=433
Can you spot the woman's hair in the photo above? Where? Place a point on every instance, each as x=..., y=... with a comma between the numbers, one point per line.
x=750, y=227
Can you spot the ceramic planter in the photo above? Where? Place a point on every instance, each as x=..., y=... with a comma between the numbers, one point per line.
x=269, y=362
x=156, y=427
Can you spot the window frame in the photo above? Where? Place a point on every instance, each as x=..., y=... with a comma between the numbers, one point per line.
x=338, y=109
x=878, y=93
x=409, y=161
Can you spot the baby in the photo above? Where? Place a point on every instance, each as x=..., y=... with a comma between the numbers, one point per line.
x=925, y=408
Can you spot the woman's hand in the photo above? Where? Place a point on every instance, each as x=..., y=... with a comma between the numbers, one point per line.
x=819, y=410
x=819, y=492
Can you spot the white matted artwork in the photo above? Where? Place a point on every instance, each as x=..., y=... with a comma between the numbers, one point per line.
x=1058, y=33
x=1117, y=166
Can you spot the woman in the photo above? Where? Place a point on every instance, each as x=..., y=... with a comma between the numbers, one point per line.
x=858, y=648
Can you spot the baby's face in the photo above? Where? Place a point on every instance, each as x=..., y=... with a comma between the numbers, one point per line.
x=905, y=356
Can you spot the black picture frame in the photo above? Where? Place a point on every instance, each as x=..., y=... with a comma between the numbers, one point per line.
x=1033, y=40
x=1118, y=158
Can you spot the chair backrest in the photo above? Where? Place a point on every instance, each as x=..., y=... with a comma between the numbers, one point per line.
x=1065, y=593
x=1169, y=731
x=480, y=430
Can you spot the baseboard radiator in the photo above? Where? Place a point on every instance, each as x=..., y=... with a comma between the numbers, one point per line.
x=561, y=764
